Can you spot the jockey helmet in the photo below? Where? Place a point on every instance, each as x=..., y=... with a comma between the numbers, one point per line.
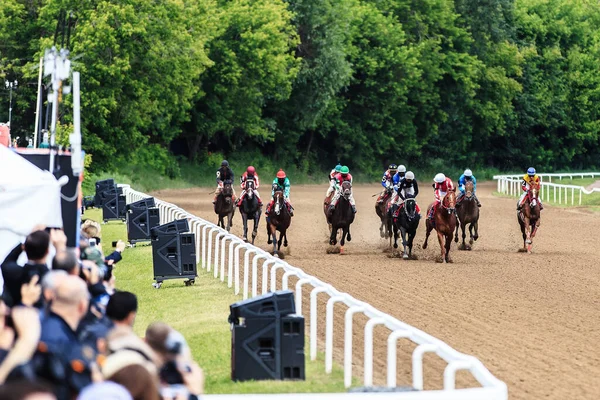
x=439, y=178
x=409, y=176
x=344, y=170
x=401, y=168
x=281, y=174
x=531, y=171
x=251, y=170
x=338, y=168
x=468, y=173
x=224, y=163
x=393, y=167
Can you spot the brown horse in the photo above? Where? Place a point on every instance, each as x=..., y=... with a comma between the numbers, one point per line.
x=468, y=213
x=341, y=218
x=444, y=222
x=279, y=219
x=529, y=217
x=225, y=206
x=381, y=208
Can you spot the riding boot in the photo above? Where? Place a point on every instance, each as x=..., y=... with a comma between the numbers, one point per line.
x=354, y=209
x=291, y=211
x=541, y=206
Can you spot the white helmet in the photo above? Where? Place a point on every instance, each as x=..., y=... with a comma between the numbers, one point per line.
x=401, y=168
x=409, y=175
x=468, y=172
x=439, y=178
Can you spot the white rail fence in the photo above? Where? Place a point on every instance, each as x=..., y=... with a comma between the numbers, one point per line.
x=212, y=244
x=549, y=191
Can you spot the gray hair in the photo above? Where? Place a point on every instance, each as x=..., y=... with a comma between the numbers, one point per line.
x=49, y=280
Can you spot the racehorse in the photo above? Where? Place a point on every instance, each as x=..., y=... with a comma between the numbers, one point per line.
x=225, y=207
x=468, y=213
x=279, y=219
x=342, y=217
x=529, y=217
x=407, y=222
x=381, y=208
x=444, y=222
x=250, y=210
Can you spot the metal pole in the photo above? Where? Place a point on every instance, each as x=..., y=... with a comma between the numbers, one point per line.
x=37, y=107
x=10, y=108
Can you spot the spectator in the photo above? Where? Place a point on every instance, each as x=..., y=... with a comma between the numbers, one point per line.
x=141, y=383
x=26, y=391
x=66, y=260
x=26, y=322
x=50, y=283
x=59, y=342
x=122, y=309
x=105, y=390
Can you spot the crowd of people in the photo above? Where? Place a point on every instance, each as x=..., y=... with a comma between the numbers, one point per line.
x=66, y=332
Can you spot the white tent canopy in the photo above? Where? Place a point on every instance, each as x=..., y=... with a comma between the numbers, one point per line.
x=28, y=196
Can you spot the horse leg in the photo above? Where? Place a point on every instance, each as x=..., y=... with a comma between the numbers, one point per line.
x=456, y=234
x=343, y=240
x=448, y=244
x=269, y=232
x=395, y=237
x=255, y=230
x=428, y=225
x=285, y=241
x=381, y=232
x=475, y=226
x=281, y=236
x=472, y=238
x=464, y=246
x=411, y=238
x=404, y=242
x=442, y=247
x=348, y=233
x=332, y=235
x=273, y=236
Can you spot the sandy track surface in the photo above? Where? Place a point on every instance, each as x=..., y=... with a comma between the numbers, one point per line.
x=533, y=320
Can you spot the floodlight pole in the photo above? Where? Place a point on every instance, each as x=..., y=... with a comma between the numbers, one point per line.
x=10, y=85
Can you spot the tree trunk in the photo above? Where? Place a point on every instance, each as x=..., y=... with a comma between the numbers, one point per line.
x=310, y=141
x=193, y=146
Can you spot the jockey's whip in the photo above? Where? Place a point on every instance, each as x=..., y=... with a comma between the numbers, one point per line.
x=376, y=194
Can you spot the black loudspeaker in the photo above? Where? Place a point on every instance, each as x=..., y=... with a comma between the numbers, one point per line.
x=177, y=226
x=113, y=205
x=144, y=203
x=173, y=254
x=267, y=340
x=70, y=202
x=140, y=220
x=102, y=186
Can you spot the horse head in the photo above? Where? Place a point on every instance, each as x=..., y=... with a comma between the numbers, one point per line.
x=227, y=191
x=469, y=190
x=410, y=207
x=533, y=194
x=449, y=202
x=278, y=197
x=250, y=185
x=346, y=189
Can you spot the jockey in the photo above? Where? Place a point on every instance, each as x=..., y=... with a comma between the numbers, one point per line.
x=441, y=186
x=464, y=178
x=343, y=176
x=399, y=175
x=332, y=175
x=250, y=174
x=387, y=182
x=407, y=187
x=281, y=181
x=224, y=174
x=529, y=178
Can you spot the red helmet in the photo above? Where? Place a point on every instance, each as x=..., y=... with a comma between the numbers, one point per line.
x=281, y=174
x=251, y=170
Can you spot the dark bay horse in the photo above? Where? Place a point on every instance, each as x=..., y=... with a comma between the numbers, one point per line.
x=382, y=212
x=529, y=217
x=225, y=206
x=342, y=217
x=444, y=222
x=468, y=213
x=279, y=219
x=250, y=210
x=407, y=222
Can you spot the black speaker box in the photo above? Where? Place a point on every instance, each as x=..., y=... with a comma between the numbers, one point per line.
x=140, y=220
x=113, y=205
x=144, y=203
x=102, y=186
x=268, y=348
x=274, y=304
x=174, y=256
x=177, y=226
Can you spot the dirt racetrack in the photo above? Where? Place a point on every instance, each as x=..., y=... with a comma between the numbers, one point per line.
x=533, y=320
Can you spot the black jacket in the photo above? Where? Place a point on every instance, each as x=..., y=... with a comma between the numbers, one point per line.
x=224, y=174
x=405, y=185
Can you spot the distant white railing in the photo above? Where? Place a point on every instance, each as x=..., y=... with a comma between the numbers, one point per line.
x=211, y=244
x=549, y=191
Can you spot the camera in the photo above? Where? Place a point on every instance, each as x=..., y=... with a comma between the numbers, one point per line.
x=93, y=242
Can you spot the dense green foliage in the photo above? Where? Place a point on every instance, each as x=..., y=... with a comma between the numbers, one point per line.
x=305, y=83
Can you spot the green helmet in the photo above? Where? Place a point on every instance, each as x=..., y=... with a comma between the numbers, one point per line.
x=345, y=170
x=338, y=168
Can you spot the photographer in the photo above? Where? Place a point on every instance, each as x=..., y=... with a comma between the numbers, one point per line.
x=179, y=374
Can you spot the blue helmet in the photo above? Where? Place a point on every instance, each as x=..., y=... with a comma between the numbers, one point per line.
x=338, y=167
x=531, y=171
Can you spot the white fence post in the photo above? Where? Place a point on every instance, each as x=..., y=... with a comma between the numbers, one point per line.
x=417, y=359
x=329, y=332
x=313, y=320
x=392, y=343
x=348, y=323
x=368, y=378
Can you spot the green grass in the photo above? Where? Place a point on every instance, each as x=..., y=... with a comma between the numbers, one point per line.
x=200, y=313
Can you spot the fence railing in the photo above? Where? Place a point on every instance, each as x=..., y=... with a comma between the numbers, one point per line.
x=549, y=191
x=212, y=244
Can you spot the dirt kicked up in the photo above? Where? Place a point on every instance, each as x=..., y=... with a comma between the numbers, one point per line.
x=532, y=319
